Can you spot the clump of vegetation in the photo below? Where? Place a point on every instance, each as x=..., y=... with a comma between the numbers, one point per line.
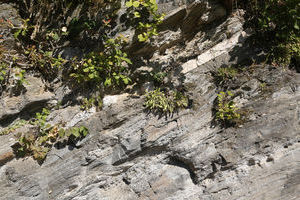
x=109, y=68
x=75, y=15
x=147, y=28
x=159, y=101
x=42, y=33
x=13, y=127
x=44, y=61
x=226, y=111
x=224, y=74
x=40, y=141
x=18, y=77
x=39, y=145
x=24, y=31
x=158, y=77
x=88, y=103
x=277, y=21
x=11, y=73
x=3, y=72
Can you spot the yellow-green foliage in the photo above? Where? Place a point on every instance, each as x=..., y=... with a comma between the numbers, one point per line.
x=148, y=28
x=227, y=112
x=22, y=32
x=38, y=144
x=224, y=74
x=160, y=101
x=284, y=52
x=13, y=127
x=3, y=72
x=109, y=67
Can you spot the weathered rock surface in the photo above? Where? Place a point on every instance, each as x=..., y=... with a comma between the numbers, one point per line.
x=34, y=97
x=132, y=154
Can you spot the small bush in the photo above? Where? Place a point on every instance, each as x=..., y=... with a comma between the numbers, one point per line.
x=11, y=75
x=88, y=103
x=39, y=143
x=13, y=127
x=148, y=28
x=278, y=24
x=158, y=77
x=109, y=68
x=159, y=101
x=44, y=62
x=227, y=113
x=225, y=74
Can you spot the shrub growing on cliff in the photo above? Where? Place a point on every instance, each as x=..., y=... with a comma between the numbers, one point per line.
x=148, y=28
x=3, y=72
x=13, y=76
x=108, y=67
x=39, y=142
x=224, y=74
x=278, y=23
x=163, y=102
x=227, y=113
x=13, y=127
x=91, y=21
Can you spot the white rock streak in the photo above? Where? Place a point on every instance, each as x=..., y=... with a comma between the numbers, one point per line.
x=217, y=50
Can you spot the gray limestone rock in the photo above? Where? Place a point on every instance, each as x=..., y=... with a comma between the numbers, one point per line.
x=132, y=154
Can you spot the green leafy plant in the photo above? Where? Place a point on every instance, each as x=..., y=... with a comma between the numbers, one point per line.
x=11, y=73
x=148, y=28
x=226, y=111
x=3, y=72
x=13, y=127
x=42, y=33
x=19, y=76
x=88, y=103
x=39, y=143
x=23, y=32
x=279, y=21
x=44, y=61
x=108, y=67
x=55, y=35
x=157, y=100
x=40, y=120
x=224, y=74
x=158, y=77
x=284, y=52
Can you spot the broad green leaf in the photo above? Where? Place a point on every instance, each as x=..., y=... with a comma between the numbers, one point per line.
x=61, y=133
x=136, y=4
x=129, y=4
x=137, y=14
x=91, y=76
x=296, y=26
x=76, y=132
x=141, y=38
x=126, y=80
x=107, y=82
x=126, y=60
x=83, y=130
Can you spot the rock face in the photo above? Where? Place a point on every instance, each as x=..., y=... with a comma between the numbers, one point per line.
x=131, y=154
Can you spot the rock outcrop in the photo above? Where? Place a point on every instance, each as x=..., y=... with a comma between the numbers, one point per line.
x=132, y=154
